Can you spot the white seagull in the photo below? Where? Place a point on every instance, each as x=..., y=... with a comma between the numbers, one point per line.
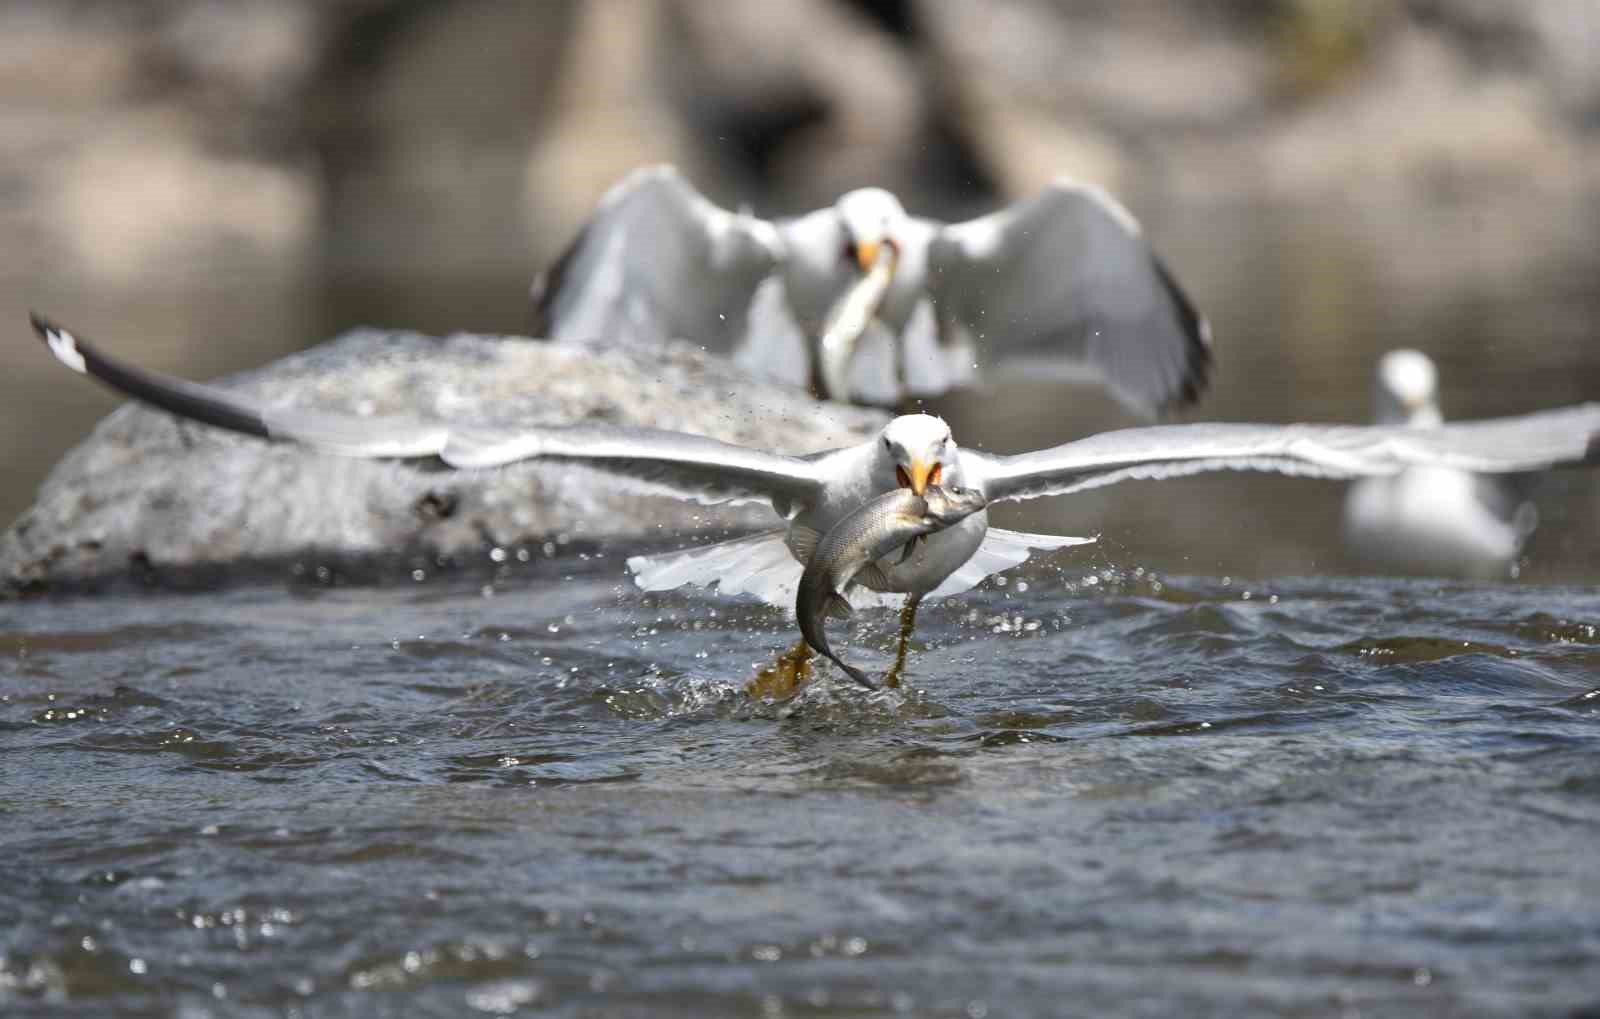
x=814, y=492
x=1429, y=519
x=1062, y=283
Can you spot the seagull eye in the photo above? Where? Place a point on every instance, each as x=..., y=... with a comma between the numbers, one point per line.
x=886, y=444
x=849, y=252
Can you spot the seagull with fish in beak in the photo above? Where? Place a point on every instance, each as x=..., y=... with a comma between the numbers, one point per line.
x=812, y=494
x=864, y=302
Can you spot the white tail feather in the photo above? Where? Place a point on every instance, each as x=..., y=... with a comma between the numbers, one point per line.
x=762, y=565
x=1001, y=550
x=759, y=564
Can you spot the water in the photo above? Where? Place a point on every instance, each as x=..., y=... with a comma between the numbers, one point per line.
x=1112, y=793
x=1106, y=791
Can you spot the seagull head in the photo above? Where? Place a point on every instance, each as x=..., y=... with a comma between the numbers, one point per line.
x=871, y=218
x=920, y=451
x=1408, y=389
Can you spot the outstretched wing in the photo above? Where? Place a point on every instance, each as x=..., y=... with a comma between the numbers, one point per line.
x=692, y=466
x=1529, y=442
x=1065, y=283
x=658, y=261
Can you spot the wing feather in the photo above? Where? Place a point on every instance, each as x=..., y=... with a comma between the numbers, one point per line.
x=658, y=261
x=1066, y=283
x=1527, y=442
x=693, y=466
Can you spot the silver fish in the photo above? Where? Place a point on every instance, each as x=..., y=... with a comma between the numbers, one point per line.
x=847, y=322
x=855, y=544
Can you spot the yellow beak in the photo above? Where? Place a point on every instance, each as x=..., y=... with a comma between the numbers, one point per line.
x=867, y=255
x=922, y=474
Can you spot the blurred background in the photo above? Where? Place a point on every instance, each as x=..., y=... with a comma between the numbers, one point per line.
x=207, y=185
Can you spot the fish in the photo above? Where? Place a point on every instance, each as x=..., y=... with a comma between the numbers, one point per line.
x=847, y=321
x=850, y=550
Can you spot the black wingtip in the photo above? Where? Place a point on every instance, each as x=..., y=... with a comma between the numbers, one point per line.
x=41, y=325
x=1199, y=359
x=185, y=399
x=547, y=287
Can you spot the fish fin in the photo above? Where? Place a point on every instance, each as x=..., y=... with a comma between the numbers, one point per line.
x=837, y=606
x=872, y=577
x=802, y=542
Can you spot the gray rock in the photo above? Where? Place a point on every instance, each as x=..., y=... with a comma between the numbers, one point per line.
x=148, y=491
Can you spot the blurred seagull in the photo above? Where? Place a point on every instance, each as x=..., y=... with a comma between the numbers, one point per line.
x=1063, y=283
x=1430, y=519
x=815, y=492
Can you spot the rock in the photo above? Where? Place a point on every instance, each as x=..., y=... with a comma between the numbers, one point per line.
x=150, y=492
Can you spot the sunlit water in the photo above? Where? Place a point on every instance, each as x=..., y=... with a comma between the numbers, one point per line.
x=1106, y=792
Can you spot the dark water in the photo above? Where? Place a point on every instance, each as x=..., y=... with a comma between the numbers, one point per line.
x=1107, y=793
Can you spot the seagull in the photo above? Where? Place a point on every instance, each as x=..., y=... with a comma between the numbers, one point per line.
x=813, y=493
x=1432, y=519
x=1063, y=283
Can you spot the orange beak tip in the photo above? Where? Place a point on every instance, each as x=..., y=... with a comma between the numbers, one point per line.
x=867, y=255
x=924, y=474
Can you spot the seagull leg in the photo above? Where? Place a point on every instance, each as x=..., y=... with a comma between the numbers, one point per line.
x=818, y=386
x=908, y=623
x=784, y=677
x=898, y=352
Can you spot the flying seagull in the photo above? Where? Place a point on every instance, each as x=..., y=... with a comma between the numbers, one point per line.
x=1432, y=519
x=913, y=451
x=1063, y=283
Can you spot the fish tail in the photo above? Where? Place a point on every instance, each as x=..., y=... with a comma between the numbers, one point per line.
x=855, y=673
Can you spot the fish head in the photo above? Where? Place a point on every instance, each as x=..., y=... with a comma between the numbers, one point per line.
x=917, y=450
x=951, y=504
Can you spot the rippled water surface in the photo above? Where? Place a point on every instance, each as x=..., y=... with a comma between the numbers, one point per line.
x=1106, y=792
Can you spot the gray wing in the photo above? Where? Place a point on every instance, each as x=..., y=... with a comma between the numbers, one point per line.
x=658, y=261
x=1065, y=282
x=692, y=466
x=1530, y=442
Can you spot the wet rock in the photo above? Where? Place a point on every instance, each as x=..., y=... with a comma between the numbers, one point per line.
x=148, y=493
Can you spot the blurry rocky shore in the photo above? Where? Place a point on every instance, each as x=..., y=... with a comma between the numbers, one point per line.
x=362, y=131
x=166, y=501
